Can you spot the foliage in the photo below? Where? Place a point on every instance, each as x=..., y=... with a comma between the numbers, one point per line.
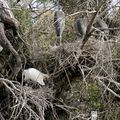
x=86, y=79
x=24, y=18
x=92, y=95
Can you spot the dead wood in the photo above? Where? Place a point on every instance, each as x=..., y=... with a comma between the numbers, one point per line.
x=89, y=30
x=66, y=62
x=8, y=21
x=21, y=102
x=5, y=43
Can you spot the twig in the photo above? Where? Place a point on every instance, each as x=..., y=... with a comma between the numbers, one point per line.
x=11, y=90
x=43, y=12
x=118, y=28
x=5, y=43
x=1, y=116
x=86, y=11
x=111, y=91
x=9, y=82
x=86, y=37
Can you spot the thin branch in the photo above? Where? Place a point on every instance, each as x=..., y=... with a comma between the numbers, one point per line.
x=5, y=43
x=9, y=82
x=111, y=91
x=89, y=27
x=86, y=11
x=116, y=28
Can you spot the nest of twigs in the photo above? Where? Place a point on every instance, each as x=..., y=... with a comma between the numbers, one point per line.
x=63, y=63
x=22, y=102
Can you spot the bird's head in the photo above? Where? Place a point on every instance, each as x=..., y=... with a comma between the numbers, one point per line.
x=57, y=5
x=47, y=76
x=1, y=5
x=25, y=75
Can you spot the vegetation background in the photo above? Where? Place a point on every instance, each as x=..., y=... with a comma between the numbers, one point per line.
x=81, y=80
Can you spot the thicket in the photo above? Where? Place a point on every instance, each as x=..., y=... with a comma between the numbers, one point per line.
x=81, y=80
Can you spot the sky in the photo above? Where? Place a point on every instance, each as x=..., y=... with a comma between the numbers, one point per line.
x=115, y=1
x=112, y=11
x=25, y=3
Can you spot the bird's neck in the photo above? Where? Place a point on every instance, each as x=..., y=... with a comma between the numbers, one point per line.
x=57, y=9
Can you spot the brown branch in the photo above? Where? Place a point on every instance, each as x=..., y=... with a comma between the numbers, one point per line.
x=42, y=12
x=116, y=28
x=79, y=12
x=8, y=82
x=89, y=27
x=110, y=90
x=1, y=116
x=5, y=43
x=8, y=20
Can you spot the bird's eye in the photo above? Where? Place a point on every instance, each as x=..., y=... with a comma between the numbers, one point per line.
x=23, y=77
x=1, y=6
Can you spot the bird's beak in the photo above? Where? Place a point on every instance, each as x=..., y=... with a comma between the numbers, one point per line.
x=41, y=82
x=48, y=76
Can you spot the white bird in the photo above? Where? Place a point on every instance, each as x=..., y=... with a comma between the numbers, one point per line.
x=101, y=24
x=35, y=75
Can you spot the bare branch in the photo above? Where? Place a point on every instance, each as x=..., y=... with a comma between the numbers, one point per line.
x=89, y=27
x=110, y=90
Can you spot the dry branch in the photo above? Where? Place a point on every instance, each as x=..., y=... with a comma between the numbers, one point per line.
x=5, y=43
x=89, y=29
x=27, y=103
x=107, y=88
x=8, y=21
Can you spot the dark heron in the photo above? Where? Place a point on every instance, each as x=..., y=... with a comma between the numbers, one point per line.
x=80, y=25
x=101, y=25
x=59, y=21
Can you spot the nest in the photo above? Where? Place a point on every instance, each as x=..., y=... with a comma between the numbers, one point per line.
x=63, y=63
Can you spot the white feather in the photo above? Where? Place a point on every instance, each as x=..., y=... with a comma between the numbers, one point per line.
x=35, y=75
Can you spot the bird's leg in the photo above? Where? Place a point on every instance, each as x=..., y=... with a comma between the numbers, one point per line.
x=60, y=40
x=57, y=43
